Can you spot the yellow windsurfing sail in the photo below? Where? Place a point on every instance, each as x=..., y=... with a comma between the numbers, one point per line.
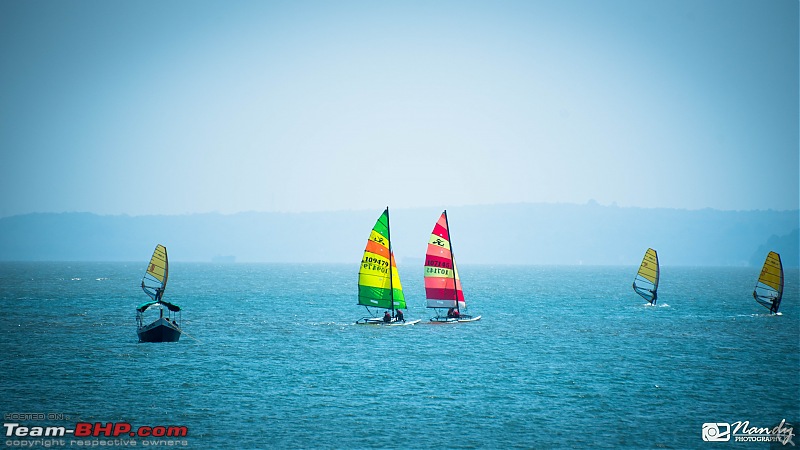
x=646, y=281
x=769, y=287
x=159, y=266
x=155, y=279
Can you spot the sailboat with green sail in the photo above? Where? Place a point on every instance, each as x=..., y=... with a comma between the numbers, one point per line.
x=378, y=280
x=162, y=329
x=646, y=282
x=769, y=287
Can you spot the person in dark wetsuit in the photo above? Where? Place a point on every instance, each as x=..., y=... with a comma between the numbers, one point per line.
x=399, y=316
x=387, y=317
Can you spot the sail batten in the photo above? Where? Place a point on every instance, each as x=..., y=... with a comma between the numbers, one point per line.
x=442, y=283
x=646, y=282
x=378, y=280
x=769, y=287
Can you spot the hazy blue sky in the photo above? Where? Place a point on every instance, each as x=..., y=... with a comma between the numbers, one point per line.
x=151, y=107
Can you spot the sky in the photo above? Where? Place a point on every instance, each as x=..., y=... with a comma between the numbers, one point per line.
x=153, y=107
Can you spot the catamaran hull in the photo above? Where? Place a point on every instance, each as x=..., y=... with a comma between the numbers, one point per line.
x=159, y=331
x=379, y=321
x=454, y=320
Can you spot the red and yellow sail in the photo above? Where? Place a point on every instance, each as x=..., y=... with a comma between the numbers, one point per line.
x=442, y=285
x=378, y=281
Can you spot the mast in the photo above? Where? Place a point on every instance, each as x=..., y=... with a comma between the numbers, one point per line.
x=452, y=259
x=391, y=257
x=777, y=302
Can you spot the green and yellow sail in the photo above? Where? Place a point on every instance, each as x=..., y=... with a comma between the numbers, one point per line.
x=378, y=281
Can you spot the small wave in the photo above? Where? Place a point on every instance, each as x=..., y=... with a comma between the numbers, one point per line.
x=101, y=279
x=322, y=323
x=75, y=279
x=759, y=315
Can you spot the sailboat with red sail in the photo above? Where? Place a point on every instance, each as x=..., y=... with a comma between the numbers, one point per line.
x=442, y=283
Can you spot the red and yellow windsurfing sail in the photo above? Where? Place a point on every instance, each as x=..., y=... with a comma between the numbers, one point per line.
x=442, y=285
x=378, y=279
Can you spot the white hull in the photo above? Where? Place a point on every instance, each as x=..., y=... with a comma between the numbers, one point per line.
x=379, y=321
x=454, y=320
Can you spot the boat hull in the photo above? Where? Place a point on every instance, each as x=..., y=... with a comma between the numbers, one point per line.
x=454, y=320
x=159, y=331
x=379, y=321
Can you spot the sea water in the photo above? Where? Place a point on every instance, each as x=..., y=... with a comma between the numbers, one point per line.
x=271, y=358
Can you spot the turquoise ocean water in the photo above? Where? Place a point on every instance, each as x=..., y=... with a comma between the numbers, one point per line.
x=565, y=357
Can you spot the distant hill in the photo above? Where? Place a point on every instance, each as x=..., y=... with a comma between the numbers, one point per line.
x=498, y=234
x=788, y=246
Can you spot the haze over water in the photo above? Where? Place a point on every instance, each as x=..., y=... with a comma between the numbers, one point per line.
x=563, y=357
x=154, y=107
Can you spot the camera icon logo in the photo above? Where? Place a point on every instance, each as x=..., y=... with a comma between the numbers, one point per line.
x=716, y=432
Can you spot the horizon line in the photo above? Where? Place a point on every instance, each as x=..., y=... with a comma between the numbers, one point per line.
x=588, y=203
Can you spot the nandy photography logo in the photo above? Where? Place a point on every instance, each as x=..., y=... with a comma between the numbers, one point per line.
x=741, y=431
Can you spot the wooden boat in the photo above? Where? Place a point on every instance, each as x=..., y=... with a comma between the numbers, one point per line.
x=162, y=329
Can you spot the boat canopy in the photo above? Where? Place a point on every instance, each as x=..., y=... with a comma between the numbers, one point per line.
x=170, y=306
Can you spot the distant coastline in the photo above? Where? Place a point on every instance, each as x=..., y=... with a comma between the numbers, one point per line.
x=524, y=233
